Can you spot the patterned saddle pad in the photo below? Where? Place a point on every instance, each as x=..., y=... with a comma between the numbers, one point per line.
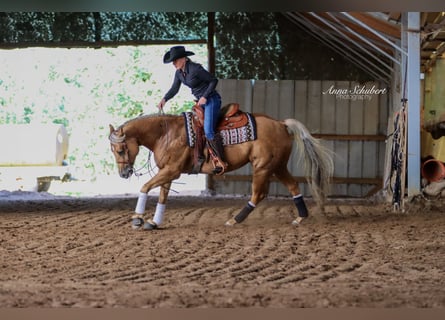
x=229, y=136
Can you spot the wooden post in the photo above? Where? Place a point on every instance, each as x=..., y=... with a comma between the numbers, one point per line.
x=211, y=65
x=210, y=41
x=413, y=95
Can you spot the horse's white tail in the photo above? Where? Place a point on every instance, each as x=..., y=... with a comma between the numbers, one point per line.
x=317, y=160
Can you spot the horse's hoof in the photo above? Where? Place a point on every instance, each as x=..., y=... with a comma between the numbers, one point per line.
x=150, y=225
x=137, y=223
x=230, y=223
x=298, y=221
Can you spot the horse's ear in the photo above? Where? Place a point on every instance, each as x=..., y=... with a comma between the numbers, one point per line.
x=111, y=129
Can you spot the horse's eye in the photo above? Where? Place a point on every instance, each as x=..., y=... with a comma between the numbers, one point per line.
x=119, y=152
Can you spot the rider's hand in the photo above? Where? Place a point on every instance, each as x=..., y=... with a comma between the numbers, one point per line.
x=202, y=101
x=161, y=105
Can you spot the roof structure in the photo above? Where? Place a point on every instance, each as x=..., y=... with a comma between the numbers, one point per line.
x=394, y=48
x=370, y=39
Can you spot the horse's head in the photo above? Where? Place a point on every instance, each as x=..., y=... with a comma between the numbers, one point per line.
x=125, y=151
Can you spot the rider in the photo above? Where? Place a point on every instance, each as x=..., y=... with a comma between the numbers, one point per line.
x=202, y=84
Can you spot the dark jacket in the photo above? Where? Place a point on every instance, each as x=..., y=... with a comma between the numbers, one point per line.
x=202, y=82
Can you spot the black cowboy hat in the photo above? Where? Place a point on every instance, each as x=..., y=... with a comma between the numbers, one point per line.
x=176, y=53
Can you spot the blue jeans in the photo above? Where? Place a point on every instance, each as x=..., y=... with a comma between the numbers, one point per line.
x=211, y=113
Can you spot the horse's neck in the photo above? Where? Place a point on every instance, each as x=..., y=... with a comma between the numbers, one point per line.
x=147, y=130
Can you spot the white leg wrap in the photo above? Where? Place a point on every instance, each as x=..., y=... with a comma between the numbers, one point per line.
x=142, y=200
x=159, y=213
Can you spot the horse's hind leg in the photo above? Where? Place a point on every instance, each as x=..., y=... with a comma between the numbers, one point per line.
x=286, y=178
x=260, y=188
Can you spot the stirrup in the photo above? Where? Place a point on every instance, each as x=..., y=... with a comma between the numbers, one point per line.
x=219, y=166
x=218, y=170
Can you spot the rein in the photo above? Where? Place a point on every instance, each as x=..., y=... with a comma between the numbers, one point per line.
x=137, y=173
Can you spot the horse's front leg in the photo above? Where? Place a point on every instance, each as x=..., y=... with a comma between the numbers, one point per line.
x=158, y=217
x=163, y=179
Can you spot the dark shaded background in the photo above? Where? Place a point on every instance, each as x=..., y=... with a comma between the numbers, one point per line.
x=248, y=45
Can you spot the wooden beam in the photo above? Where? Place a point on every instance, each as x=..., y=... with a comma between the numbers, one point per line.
x=211, y=65
x=376, y=182
x=210, y=42
x=414, y=104
x=335, y=180
x=379, y=25
x=349, y=36
x=394, y=16
x=99, y=44
x=350, y=137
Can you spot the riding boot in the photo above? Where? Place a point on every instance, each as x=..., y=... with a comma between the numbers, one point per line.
x=217, y=148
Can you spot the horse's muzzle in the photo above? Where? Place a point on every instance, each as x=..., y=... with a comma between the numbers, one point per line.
x=126, y=172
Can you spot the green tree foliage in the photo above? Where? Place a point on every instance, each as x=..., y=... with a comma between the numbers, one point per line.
x=26, y=26
x=249, y=45
x=85, y=90
x=63, y=27
x=267, y=46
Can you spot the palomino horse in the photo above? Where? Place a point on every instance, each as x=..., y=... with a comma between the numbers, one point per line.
x=165, y=136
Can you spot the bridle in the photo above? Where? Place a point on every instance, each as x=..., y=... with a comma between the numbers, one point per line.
x=115, y=138
x=124, y=153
